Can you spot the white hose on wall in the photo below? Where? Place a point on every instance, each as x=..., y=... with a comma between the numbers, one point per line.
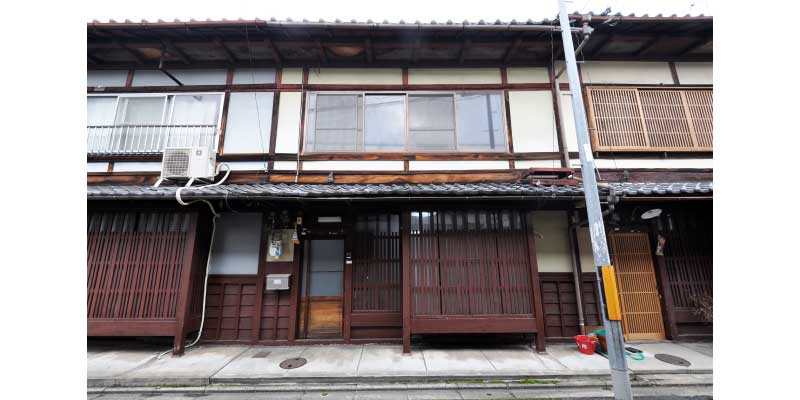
x=210, y=247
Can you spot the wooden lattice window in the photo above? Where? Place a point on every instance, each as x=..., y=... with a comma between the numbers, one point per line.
x=647, y=119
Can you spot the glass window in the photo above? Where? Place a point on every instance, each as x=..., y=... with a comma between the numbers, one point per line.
x=140, y=110
x=195, y=110
x=249, y=122
x=100, y=110
x=384, y=123
x=338, y=123
x=430, y=122
x=480, y=122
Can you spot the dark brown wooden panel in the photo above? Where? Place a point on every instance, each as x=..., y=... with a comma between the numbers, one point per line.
x=230, y=307
x=467, y=324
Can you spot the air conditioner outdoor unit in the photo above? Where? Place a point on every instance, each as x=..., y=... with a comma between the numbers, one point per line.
x=188, y=163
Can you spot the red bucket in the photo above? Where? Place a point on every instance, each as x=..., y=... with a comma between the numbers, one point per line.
x=586, y=344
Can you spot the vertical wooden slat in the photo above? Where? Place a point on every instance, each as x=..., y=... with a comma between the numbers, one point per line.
x=405, y=229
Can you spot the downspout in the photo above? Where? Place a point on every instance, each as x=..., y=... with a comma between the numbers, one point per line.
x=576, y=269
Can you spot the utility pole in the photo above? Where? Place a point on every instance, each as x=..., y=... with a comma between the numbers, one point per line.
x=605, y=272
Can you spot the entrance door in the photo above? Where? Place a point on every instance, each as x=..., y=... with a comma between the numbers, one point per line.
x=322, y=287
x=636, y=282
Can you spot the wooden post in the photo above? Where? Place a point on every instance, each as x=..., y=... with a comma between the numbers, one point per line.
x=182, y=309
x=405, y=238
x=536, y=290
x=663, y=280
x=294, y=292
x=348, y=277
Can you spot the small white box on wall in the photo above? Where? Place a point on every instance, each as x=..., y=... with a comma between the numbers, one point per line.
x=278, y=281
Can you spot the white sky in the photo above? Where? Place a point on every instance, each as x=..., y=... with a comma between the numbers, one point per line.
x=407, y=10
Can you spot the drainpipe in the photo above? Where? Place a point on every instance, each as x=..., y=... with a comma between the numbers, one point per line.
x=576, y=269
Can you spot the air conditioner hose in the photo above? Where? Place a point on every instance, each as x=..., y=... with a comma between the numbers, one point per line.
x=210, y=247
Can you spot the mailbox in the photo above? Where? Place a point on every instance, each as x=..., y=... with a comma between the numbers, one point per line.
x=278, y=281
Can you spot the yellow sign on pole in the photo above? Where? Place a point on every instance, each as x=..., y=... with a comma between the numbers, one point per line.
x=610, y=291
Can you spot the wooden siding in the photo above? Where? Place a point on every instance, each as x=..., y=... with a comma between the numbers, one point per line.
x=650, y=119
x=561, y=308
x=469, y=263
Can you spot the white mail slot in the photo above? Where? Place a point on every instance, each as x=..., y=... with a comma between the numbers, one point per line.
x=278, y=281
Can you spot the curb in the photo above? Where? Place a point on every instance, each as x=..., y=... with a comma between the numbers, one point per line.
x=684, y=379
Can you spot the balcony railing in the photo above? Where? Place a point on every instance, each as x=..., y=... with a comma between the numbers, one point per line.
x=646, y=119
x=142, y=139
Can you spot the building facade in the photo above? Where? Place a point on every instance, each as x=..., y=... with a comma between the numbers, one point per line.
x=395, y=180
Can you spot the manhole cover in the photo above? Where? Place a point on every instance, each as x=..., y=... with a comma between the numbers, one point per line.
x=670, y=359
x=261, y=354
x=293, y=363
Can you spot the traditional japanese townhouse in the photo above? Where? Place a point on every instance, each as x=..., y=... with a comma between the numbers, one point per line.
x=391, y=181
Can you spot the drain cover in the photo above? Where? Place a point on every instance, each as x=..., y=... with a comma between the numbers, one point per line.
x=261, y=354
x=293, y=363
x=670, y=359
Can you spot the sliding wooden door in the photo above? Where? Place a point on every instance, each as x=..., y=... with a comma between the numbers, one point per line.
x=321, y=302
x=636, y=282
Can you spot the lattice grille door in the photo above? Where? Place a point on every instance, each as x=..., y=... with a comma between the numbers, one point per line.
x=636, y=282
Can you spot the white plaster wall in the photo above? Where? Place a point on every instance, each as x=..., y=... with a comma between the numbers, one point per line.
x=585, y=249
x=695, y=73
x=247, y=165
x=106, y=78
x=428, y=76
x=637, y=72
x=523, y=164
x=200, y=76
x=284, y=166
x=245, y=122
x=137, y=166
x=365, y=76
x=292, y=75
x=288, y=133
x=527, y=75
x=96, y=167
x=456, y=165
x=151, y=77
x=552, y=247
x=645, y=163
x=236, y=244
x=352, y=165
x=249, y=76
x=568, y=121
x=533, y=124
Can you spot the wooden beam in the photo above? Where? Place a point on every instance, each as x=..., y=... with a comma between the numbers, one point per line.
x=276, y=55
x=464, y=48
x=512, y=49
x=135, y=54
x=228, y=54
x=536, y=288
x=406, y=257
x=323, y=55
x=647, y=45
x=171, y=49
x=368, y=51
x=695, y=45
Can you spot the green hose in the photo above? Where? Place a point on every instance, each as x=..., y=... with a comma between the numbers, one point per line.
x=635, y=356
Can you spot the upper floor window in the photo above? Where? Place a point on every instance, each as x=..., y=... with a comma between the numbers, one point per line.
x=651, y=119
x=389, y=122
x=144, y=124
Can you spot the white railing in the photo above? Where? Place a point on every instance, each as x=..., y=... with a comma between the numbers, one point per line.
x=147, y=139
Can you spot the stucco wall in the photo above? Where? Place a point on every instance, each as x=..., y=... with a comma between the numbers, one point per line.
x=527, y=75
x=695, y=73
x=363, y=76
x=287, y=138
x=552, y=247
x=607, y=72
x=532, y=121
x=453, y=75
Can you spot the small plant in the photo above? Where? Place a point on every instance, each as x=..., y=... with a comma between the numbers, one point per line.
x=703, y=307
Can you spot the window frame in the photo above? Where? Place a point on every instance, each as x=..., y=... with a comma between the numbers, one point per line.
x=168, y=108
x=305, y=150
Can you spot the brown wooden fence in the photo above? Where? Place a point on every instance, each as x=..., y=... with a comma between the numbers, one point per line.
x=142, y=266
x=377, y=268
x=648, y=119
x=470, y=272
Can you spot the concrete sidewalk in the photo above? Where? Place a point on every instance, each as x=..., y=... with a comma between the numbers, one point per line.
x=344, y=364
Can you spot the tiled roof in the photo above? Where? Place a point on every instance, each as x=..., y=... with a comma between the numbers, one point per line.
x=402, y=22
x=287, y=190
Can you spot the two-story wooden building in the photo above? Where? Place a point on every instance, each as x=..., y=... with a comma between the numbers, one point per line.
x=410, y=178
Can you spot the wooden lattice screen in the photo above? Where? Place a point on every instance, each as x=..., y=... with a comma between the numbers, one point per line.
x=688, y=255
x=134, y=263
x=469, y=263
x=377, y=263
x=645, y=119
x=636, y=282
